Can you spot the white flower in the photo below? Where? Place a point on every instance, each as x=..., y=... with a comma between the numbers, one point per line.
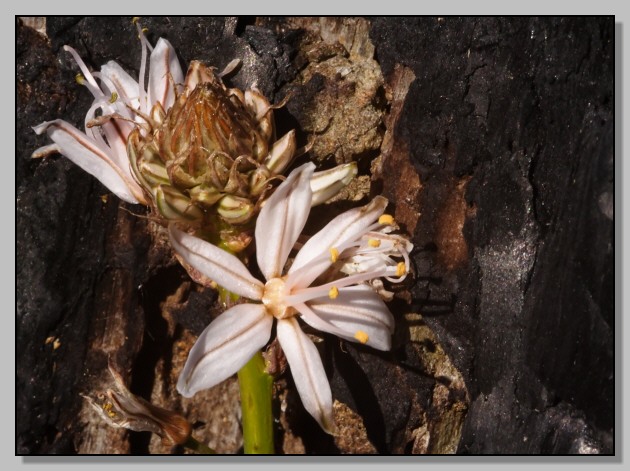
x=102, y=149
x=345, y=307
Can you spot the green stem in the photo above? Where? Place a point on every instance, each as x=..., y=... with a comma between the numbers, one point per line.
x=256, y=394
x=199, y=447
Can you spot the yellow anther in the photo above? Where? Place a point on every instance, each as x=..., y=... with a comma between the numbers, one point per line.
x=386, y=219
x=145, y=30
x=361, y=336
x=79, y=78
x=334, y=254
x=401, y=269
x=374, y=242
x=333, y=292
x=135, y=19
x=114, y=97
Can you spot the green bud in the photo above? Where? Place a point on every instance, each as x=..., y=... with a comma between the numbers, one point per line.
x=175, y=206
x=235, y=210
x=205, y=195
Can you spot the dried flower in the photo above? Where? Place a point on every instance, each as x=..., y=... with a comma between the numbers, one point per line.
x=122, y=409
x=345, y=306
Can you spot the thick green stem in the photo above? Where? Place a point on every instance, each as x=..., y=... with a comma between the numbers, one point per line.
x=256, y=394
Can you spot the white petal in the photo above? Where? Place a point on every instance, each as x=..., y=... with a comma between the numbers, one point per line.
x=88, y=155
x=126, y=86
x=307, y=371
x=116, y=133
x=346, y=227
x=163, y=63
x=216, y=264
x=282, y=219
x=356, y=311
x=224, y=347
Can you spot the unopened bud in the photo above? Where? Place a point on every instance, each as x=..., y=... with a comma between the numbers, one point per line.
x=174, y=205
x=281, y=153
x=235, y=210
x=328, y=183
x=205, y=195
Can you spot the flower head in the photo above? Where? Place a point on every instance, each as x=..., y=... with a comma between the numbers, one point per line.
x=343, y=306
x=192, y=149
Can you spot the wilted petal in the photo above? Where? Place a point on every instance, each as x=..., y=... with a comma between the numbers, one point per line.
x=215, y=263
x=165, y=71
x=224, y=347
x=84, y=152
x=197, y=73
x=358, y=312
x=282, y=219
x=344, y=228
x=307, y=371
x=124, y=409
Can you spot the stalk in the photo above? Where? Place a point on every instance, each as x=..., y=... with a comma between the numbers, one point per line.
x=256, y=393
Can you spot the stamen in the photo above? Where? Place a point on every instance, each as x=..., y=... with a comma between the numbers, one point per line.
x=90, y=83
x=401, y=269
x=306, y=294
x=142, y=94
x=107, y=407
x=334, y=254
x=386, y=219
x=374, y=242
x=333, y=292
x=79, y=78
x=114, y=97
x=361, y=336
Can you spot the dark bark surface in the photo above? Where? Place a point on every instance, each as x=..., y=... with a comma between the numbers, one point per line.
x=497, y=155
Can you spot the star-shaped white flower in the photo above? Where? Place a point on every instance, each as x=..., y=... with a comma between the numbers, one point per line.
x=344, y=307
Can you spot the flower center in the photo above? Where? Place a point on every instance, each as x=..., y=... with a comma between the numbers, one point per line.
x=274, y=299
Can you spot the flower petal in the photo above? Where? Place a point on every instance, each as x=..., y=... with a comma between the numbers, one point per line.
x=125, y=85
x=307, y=371
x=88, y=155
x=344, y=228
x=215, y=263
x=282, y=219
x=224, y=347
x=328, y=183
x=358, y=312
x=165, y=73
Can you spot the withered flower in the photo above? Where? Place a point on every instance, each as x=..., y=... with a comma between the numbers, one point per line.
x=122, y=409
